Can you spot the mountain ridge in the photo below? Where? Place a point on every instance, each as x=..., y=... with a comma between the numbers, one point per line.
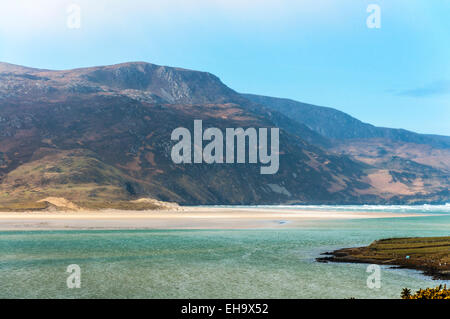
x=351, y=129
x=103, y=134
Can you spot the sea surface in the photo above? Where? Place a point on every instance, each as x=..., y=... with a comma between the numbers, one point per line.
x=272, y=263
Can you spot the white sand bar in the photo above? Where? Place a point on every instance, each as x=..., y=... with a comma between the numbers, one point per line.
x=188, y=218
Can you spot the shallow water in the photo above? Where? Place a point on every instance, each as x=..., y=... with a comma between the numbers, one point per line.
x=278, y=263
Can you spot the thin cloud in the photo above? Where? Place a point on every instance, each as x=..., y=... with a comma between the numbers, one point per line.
x=435, y=88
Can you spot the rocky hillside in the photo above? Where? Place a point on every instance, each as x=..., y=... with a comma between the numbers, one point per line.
x=338, y=125
x=402, y=162
x=102, y=134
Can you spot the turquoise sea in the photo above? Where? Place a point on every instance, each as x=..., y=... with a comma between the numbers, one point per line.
x=275, y=263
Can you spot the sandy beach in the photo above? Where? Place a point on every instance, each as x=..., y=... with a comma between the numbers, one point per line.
x=187, y=218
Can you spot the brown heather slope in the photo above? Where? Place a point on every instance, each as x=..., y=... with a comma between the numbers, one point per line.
x=102, y=134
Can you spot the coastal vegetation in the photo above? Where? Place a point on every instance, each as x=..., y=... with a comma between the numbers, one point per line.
x=440, y=292
x=428, y=254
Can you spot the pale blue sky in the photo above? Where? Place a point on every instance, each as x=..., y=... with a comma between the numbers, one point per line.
x=315, y=51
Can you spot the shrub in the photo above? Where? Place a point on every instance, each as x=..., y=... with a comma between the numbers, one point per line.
x=440, y=292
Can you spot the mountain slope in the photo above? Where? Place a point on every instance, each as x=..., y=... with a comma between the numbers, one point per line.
x=422, y=161
x=338, y=125
x=121, y=118
x=103, y=134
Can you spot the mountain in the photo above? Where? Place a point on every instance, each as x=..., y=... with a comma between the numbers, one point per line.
x=338, y=125
x=422, y=160
x=103, y=134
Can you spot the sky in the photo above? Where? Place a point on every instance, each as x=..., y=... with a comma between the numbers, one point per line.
x=396, y=74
